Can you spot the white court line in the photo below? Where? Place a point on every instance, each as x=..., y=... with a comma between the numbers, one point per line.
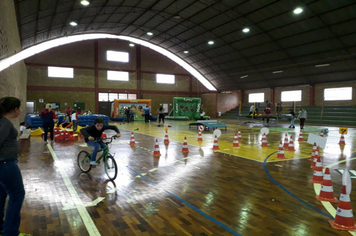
x=87, y=220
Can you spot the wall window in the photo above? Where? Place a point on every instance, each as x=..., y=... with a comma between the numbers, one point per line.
x=103, y=97
x=256, y=97
x=110, y=97
x=165, y=79
x=291, y=96
x=60, y=72
x=117, y=56
x=337, y=94
x=117, y=75
x=113, y=96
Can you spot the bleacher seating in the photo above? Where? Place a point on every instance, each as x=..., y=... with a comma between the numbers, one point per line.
x=35, y=121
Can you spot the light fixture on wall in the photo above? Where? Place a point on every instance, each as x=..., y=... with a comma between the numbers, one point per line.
x=84, y=2
x=246, y=30
x=298, y=10
x=149, y=33
x=73, y=23
x=211, y=42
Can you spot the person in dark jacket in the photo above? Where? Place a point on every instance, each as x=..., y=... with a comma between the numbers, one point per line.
x=48, y=116
x=92, y=135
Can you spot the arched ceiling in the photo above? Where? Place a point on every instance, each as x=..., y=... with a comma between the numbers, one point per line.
x=279, y=40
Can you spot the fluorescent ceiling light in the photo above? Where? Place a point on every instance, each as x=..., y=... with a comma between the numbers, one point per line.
x=132, y=45
x=322, y=65
x=246, y=30
x=211, y=42
x=244, y=76
x=149, y=33
x=186, y=52
x=84, y=2
x=278, y=71
x=28, y=52
x=298, y=10
x=73, y=23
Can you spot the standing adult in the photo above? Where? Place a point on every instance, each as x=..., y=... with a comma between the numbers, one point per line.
x=75, y=118
x=147, y=114
x=48, y=116
x=302, y=117
x=11, y=183
x=160, y=115
x=291, y=126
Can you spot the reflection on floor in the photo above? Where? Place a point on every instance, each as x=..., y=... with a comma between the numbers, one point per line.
x=232, y=191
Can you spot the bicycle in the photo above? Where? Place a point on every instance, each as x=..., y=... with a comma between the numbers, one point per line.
x=109, y=161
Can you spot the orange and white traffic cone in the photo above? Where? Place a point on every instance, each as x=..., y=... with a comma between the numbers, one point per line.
x=318, y=172
x=235, y=143
x=344, y=219
x=166, y=139
x=156, y=152
x=200, y=137
x=280, y=153
x=321, y=133
x=264, y=140
x=342, y=140
x=185, y=146
x=316, y=155
x=291, y=144
x=301, y=138
x=132, y=140
x=216, y=144
x=327, y=192
x=286, y=141
x=239, y=135
x=313, y=153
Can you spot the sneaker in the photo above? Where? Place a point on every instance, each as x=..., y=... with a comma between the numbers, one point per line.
x=45, y=142
x=52, y=141
x=22, y=234
x=93, y=163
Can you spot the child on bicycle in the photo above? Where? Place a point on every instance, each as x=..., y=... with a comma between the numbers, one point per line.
x=92, y=135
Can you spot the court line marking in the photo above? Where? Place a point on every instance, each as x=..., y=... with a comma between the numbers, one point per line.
x=87, y=220
x=189, y=205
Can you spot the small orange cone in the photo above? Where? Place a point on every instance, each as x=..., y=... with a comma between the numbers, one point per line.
x=321, y=133
x=239, y=135
x=264, y=140
x=280, y=153
x=291, y=144
x=344, y=219
x=327, y=191
x=318, y=172
x=156, y=152
x=235, y=143
x=185, y=146
x=200, y=137
x=216, y=144
x=342, y=140
x=316, y=155
x=286, y=141
x=166, y=140
x=132, y=140
x=313, y=153
x=301, y=138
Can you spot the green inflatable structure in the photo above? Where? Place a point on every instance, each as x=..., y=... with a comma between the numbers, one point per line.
x=185, y=109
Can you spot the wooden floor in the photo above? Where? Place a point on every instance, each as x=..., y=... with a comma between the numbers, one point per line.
x=236, y=191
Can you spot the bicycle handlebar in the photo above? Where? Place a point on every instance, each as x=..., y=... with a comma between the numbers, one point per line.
x=104, y=139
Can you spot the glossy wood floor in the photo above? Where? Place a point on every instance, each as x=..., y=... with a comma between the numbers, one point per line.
x=241, y=191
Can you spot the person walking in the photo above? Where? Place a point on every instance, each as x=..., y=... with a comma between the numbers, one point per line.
x=48, y=116
x=291, y=126
x=302, y=117
x=147, y=114
x=160, y=113
x=11, y=183
x=74, y=118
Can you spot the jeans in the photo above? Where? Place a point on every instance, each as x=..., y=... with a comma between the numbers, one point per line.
x=11, y=185
x=302, y=120
x=97, y=145
x=292, y=121
x=75, y=125
x=147, y=118
x=45, y=128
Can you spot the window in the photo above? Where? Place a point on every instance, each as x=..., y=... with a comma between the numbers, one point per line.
x=256, y=97
x=60, y=72
x=117, y=75
x=291, y=96
x=103, y=97
x=30, y=107
x=337, y=94
x=117, y=56
x=132, y=96
x=113, y=96
x=165, y=79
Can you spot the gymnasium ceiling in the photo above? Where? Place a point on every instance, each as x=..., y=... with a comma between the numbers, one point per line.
x=278, y=40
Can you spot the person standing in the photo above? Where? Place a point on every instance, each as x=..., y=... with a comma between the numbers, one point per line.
x=147, y=114
x=291, y=126
x=11, y=183
x=48, y=116
x=160, y=115
x=302, y=117
x=75, y=119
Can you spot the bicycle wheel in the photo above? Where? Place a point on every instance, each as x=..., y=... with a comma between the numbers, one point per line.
x=110, y=167
x=84, y=161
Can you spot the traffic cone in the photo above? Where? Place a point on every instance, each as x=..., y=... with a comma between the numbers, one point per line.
x=291, y=144
x=239, y=135
x=321, y=133
x=286, y=141
x=185, y=146
x=216, y=144
x=280, y=153
x=342, y=140
x=235, y=143
x=316, y=155
x=313, y=153
x=344, y=219
x=132, y=140
x=301, y=138
x=156, y=152
x=318, y=172
x=264, y=140
x=327, y=192
x=166, y=140
x=200, y=137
